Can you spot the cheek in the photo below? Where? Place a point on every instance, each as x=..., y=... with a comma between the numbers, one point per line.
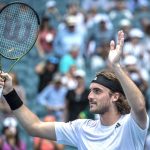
x=103, y=100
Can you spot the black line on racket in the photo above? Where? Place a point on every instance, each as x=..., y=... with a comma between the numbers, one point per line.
x=17, y=2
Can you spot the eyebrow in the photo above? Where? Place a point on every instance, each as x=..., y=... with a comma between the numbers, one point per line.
x=96, y=89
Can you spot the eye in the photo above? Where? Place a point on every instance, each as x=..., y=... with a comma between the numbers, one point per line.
x=96, y=91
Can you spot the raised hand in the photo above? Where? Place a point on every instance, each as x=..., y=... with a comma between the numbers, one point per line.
x=6, y=83
x=116, y=50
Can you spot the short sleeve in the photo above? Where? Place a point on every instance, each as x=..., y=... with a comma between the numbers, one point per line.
x=136, y=131
x=67, y=133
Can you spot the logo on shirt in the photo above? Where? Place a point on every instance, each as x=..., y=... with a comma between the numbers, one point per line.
x=117, y=125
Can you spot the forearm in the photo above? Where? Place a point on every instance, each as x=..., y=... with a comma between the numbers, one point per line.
x=132, y=92
x=27, y=119
x=55, y=108
x=22, y=113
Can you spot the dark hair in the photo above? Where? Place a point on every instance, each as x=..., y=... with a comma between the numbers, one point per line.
x=122, y=103
x=17, y=137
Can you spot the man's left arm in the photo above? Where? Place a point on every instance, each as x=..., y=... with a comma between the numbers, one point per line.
x=133, y=94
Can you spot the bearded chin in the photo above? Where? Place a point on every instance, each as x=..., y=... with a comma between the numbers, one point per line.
x=101, y=111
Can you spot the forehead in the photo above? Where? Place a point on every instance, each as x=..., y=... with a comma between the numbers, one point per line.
x=99, y=86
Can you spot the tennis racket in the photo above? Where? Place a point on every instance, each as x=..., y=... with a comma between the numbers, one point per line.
x=19, y=26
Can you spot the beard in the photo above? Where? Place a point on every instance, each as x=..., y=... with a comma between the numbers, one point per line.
x=100, y=110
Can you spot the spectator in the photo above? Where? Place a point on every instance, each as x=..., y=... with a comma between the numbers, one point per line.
x=139, y=76
x=136, y=47
x=141, y=13
x=45, y=38
x=103, y=5
x=10, y=139
x=69, y=35
x=46, y=71
x=77, y=99
x=52, y=13
x=52, y=97
x=68, y=78
x=74, y=10
x=119, y=12
x=69, y=59
x=101, y=33
x=126, y=26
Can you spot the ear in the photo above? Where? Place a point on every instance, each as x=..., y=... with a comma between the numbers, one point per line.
x=115, y=96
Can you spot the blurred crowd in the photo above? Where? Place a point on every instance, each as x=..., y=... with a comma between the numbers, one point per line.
x=71, y=47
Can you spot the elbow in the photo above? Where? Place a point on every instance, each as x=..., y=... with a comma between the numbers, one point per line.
x=141, y=106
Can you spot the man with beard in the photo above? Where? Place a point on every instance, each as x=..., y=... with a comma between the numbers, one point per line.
x=111, y=94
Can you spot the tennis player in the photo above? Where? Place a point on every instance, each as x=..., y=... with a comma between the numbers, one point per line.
x=111, y=94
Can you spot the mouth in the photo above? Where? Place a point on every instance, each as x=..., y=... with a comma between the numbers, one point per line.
x=92, y=104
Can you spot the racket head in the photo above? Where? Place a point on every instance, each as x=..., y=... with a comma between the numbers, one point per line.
x=19, y=27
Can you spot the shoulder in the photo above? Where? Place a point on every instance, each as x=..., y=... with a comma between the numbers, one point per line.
x=125, y=118
x=78, y=123
x=84, y=123
x=129, y=121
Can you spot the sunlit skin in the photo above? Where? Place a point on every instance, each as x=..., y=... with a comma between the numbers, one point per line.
x=99, y=99
x=102, y=102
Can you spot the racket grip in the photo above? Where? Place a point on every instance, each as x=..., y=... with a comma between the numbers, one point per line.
x=1, y=90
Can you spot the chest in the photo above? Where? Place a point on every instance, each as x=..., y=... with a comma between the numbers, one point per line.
x=107, y=139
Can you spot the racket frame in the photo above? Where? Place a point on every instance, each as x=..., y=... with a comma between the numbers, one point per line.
x=38, y=21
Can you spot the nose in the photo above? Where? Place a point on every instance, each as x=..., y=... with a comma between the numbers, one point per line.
x=90, y=96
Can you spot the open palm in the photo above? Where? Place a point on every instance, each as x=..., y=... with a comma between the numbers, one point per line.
x=116, y=49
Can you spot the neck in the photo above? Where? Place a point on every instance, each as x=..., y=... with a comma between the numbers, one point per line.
x=109, y=118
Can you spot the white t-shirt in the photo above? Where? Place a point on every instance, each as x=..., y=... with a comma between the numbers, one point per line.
x=87, y=134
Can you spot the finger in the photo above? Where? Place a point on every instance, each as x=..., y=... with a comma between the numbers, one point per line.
x=112, y=45
x=121, y=39
x=5, y=76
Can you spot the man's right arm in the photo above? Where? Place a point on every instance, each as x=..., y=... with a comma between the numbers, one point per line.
x=33, y=125
x=27, y=119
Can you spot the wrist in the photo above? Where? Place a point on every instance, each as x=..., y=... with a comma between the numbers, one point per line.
x=116, y=66
x=13, y=100
x=8, y=91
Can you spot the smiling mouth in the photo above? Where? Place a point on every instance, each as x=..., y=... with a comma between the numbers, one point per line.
x=91, y=104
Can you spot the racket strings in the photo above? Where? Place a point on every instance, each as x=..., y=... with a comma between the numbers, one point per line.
x=19, y=28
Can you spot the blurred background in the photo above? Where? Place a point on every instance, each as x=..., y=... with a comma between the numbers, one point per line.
x=73, y=45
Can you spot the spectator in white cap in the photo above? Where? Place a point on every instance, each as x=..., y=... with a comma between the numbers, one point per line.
x=77, y=99
x=69, y=35
x=10, y=136
x=73, y=9
x=140, y=76
x=131, y=64
x=50, y=4
x=126, y=26
x=136, y=46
